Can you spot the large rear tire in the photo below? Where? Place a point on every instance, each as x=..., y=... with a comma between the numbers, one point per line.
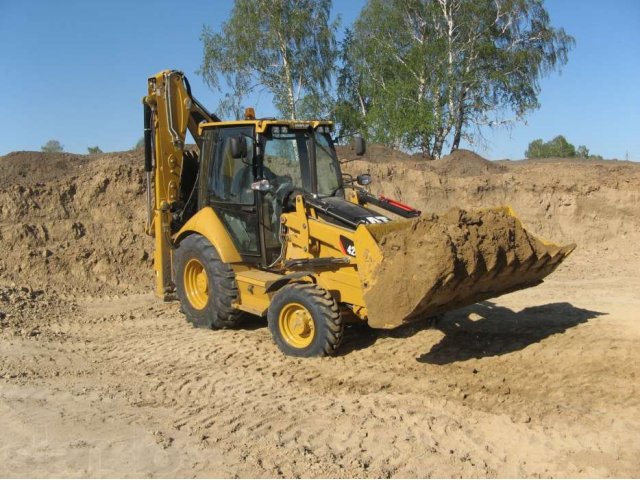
x=206, y=286
x=305, y=321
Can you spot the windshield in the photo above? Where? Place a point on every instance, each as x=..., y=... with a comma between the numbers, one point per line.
x=286, y=156
x=283, y=157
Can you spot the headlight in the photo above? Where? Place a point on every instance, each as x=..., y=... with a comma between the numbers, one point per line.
x=284, y=129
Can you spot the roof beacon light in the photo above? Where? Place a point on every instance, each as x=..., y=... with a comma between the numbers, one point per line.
x=249, y=113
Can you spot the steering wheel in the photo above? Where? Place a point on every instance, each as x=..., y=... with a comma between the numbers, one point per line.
x=282, y=187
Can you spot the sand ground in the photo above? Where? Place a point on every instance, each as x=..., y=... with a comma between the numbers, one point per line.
x=542, y=382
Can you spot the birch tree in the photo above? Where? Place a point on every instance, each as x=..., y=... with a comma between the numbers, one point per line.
x=432, y=72
x=286, y=47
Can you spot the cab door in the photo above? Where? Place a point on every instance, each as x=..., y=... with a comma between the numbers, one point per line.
x=227, y=188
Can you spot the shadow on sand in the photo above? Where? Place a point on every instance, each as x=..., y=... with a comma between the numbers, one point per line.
x=480, y=330
x=360, y=336
x=251, y=322
x=486, y=329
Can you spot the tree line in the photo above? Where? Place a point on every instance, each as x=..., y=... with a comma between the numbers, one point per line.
x=558, y=147
x=55, y=146
x=420, y=75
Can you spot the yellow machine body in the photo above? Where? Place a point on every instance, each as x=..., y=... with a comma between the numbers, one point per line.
x=307, y=235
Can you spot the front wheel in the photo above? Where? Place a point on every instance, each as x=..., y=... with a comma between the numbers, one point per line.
x=305, y=321
x=205, y=285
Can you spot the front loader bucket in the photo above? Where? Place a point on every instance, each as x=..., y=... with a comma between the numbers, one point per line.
x=418, y=268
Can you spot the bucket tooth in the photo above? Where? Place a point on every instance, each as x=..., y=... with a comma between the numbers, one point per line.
x=543, y=260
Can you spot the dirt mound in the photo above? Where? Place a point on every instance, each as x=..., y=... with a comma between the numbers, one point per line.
x=454, y=260
x=74, y=223
x=30, y=168
x=460, y=163
x=464, y=163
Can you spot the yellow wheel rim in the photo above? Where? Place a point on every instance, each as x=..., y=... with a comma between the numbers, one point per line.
x=296, y=325
x=196, y=284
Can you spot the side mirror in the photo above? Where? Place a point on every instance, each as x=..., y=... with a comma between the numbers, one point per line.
x=363, y=179
x=359, y=145
x=238, y=146
x=261, y=185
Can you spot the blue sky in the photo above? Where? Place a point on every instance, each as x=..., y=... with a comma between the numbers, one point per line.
x=76, y=70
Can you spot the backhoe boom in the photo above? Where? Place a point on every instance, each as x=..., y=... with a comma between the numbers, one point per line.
x=169, y=111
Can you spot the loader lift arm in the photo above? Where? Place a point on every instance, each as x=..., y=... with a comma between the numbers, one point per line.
x=169, y=111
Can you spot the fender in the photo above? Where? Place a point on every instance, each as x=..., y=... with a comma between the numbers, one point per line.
x=209, y=225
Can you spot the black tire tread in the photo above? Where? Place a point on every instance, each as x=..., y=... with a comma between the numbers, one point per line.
x=331, y=318
x=220, y=314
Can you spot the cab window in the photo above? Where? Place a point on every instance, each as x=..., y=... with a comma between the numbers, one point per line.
x=231, y=178
x=326, y=166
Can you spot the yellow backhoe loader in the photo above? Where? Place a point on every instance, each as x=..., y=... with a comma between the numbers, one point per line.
x=260, y=219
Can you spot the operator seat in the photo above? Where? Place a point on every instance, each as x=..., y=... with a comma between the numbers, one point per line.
x=241, y=185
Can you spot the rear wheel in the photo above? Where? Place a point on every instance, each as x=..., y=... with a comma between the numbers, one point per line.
x=304, y=321
x=206, y=286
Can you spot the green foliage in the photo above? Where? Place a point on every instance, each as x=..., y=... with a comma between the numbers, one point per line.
x=93, y=150
x=582, y=151
x=139, y=144
x=536, y=149
x=52, y=146
x=418, y=74
x=284, y=46
x=559, y=147
x=351, y=105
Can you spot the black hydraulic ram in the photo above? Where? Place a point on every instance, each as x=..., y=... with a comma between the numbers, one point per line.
x=316, y=262
x=388, y=204
x=148, y=160
x=331, y=211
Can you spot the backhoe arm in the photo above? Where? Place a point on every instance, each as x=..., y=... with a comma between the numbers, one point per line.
x=169, y=110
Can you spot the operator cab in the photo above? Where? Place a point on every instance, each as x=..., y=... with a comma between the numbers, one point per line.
x=252, y=171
